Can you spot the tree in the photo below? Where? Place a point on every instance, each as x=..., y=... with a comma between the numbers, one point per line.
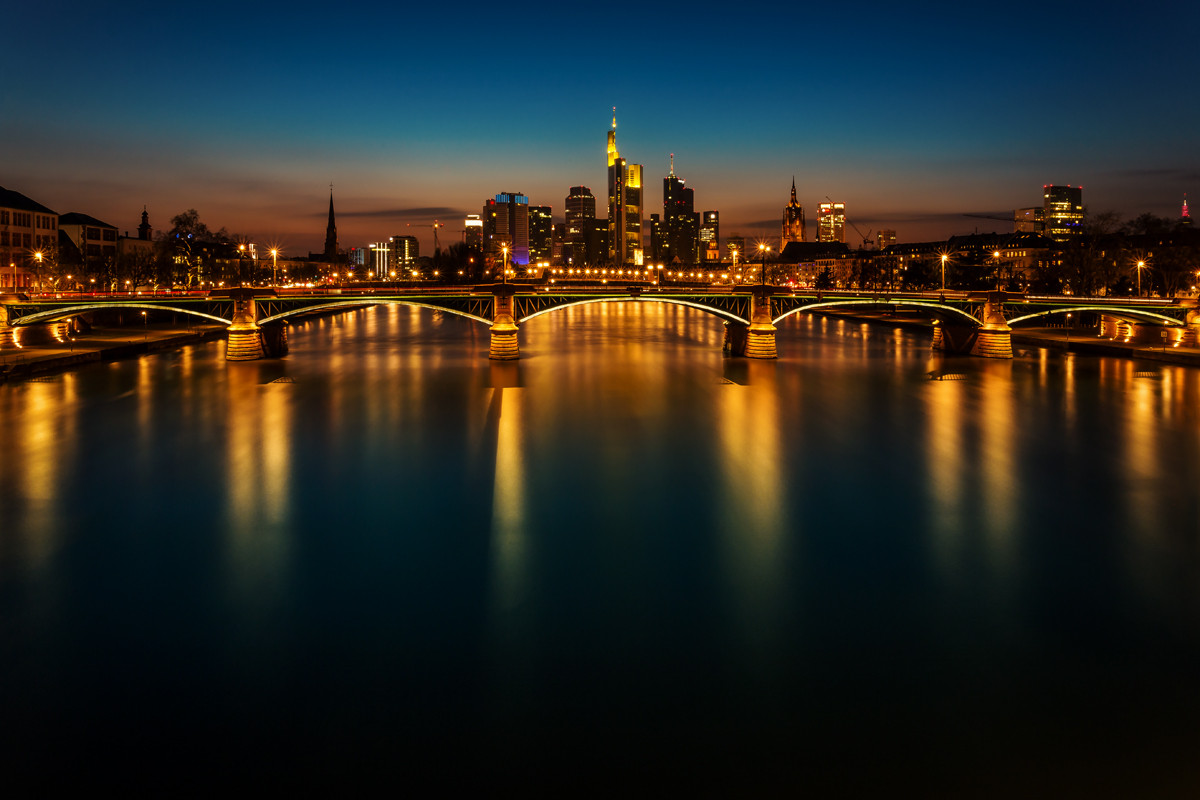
x=824, y=278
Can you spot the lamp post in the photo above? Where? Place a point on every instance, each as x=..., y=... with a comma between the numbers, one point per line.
x=1068, y=332
x=274, y=268
x=1139, y=276
x=943, y=272
x=763, y=249
x=504, y=263
x=38, y=256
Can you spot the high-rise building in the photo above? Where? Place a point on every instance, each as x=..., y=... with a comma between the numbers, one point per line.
x=378, y=258
x=658, y=239
x=1185, y=218
x=1029, y=220
x=506, y=222
x=473, y=232
x=1062, y=212
x=831, y=222
x=541, y=234
x=559, y=242
x=624, y=205
x=404, y=250
x=886, y=238
x=682, y=228
x=581, y=214
x=710, y=237
x=793, y=221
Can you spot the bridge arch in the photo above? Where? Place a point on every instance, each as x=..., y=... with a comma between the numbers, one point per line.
x=370, y=302
x=1127, y=314
x=729, y=315
x=948, y=312
x=56, y=314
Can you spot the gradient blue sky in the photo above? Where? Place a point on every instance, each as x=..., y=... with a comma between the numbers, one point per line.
x=912, y=114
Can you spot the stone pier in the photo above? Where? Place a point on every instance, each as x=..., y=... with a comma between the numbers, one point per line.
x=504, y=346
x=760, y=336
x=245, y=340
x=994, y=339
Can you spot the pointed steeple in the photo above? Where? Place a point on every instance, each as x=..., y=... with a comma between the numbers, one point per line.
x=331, y=241
x=793, y=190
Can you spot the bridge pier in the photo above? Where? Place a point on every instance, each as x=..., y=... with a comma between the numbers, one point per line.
x=504, y=345
x=994, y=339
x=245, y=337
x=760, y=336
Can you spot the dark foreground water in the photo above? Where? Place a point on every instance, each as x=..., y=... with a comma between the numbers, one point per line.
x=624, y=559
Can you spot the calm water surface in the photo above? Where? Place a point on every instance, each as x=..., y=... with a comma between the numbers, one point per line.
x=624, y=555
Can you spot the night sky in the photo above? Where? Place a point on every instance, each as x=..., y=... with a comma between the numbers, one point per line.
x=912, y=115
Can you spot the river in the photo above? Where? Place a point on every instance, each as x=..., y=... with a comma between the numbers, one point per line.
x=625, y=555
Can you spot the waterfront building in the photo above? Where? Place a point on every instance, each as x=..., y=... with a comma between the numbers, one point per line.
x=1029, y=220
x=404, y=250
x=506, y=222
x=682, y=224
x=831, y=222
x=1063, y=212
x=885, y=238
x=541, y=234
x=793, y=220
x=473, y=232
x=143, y=243
x=710, y=237
x=95, y=240
x=26, y=227
x=624, y=205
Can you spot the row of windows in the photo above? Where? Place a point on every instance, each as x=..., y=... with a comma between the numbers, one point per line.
x=47, y=223
x=16, y=239
x=16, y=218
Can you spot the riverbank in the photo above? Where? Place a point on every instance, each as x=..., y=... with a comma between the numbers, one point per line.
x=99, y=345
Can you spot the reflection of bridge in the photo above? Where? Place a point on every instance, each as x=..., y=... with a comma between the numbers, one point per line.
x=978, y=323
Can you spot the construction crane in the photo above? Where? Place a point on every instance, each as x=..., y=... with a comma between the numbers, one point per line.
x=435, y=226
x=866, y=239
x=988, y=216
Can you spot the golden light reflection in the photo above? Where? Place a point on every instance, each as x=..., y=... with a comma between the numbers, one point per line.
x=999, y=481
x=509, y=538
x=945, y=462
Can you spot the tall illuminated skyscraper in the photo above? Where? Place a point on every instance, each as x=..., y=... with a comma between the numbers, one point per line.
x=473, y=232
x=710, y=237
x=624, y=205
x=506, y=221
x=793, y=221
x=681, y=227
x=1063, y=212
x=831, y=222
x=541, y=234
x=1184, y=219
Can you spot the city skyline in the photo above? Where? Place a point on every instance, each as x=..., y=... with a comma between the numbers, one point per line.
x=910, y=136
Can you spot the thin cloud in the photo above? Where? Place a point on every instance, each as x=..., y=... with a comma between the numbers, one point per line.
x=433, y=212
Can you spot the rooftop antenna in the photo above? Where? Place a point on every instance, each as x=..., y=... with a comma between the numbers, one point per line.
x=673, y=173
x=614, y=118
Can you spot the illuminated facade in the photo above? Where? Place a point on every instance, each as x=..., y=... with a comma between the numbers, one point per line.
x=473, y=232
x=793, y=221
x=831, y=222
x=1185, y=218
x=886, y=238
x=506, y=222
x=624, y=205
x=404, y=250
x=710, y=237
x=541, y=234
x=1063, y=212
x=581, y=218
x=25, y=228
x=1029, y=220
x=681, y=224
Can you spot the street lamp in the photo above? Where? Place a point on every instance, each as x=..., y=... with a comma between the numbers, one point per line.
x=274, y=267
x=763, y=249
x=1139, y=276
x=504, y=264
x=944, y=272
x=38, y=256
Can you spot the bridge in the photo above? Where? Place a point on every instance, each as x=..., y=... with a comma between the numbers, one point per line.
x=978, y=323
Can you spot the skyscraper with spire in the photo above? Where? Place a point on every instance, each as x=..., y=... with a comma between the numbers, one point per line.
x=624, y=205
x=1185, y=218
x=681, y=224
x=331, y=240
x=793, y=221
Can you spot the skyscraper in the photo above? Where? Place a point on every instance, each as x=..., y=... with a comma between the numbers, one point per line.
x=506, y=222
x=581, y=214
x=1063, y=211
x=624, y=205
x=681, y=227
x=1185, y=218
x=404, y=250
x=831, y=222
x=886, y=238
x=541, y=234
x=473, y=232
x=793, y=221
x=710, y=237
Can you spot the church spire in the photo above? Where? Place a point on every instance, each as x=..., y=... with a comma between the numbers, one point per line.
x=793, y=190
x=331, y=241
